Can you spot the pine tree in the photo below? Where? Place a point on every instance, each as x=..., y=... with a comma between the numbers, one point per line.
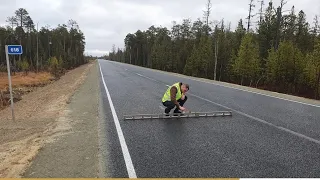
x=315, y=31
x=239, y=33
x=303, y=38
x=267, y=33
x=285, y=66
x=312, y=70
x=206, y=56
x=272, y=57
x=289, y=26
x=191, y=67
x=246, y=65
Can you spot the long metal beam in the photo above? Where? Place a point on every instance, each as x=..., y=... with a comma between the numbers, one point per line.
x=178, y=115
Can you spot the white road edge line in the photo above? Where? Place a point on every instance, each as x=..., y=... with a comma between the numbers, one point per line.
x=125, y=151
x=314, y=105
x=262, y=121
x=252, y=117
x=190, y=78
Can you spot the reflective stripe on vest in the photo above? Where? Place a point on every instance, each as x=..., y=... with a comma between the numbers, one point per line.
x=167, y=94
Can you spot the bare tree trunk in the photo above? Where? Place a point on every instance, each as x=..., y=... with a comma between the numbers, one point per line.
x=220, y=72
x=137, y=61
x=20, y=34
x=241, y=80
x=258, y=81
x=249, y=16
x=261, y=11
x=206, y=71
x=279, y=19
x=216, y=59
x=207, y=15
x=317, y=85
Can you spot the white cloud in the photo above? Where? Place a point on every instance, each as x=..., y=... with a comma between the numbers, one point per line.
x=96, y=52
x=105, y=23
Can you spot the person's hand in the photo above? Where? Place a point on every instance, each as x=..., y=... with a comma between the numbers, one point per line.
x=182, y=108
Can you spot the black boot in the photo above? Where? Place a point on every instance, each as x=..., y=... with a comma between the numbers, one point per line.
x=167, y=111
x=177, y=111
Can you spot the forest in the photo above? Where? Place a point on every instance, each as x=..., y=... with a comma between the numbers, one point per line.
x=44, y=48
x=275, y=49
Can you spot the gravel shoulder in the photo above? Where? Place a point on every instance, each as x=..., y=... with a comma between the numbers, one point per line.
x=42, y=117
x=76, y=153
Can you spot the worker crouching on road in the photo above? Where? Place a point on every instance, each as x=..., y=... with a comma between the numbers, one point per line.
x=175, y=96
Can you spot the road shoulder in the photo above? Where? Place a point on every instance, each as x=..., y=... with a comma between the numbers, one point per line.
x=75, y=154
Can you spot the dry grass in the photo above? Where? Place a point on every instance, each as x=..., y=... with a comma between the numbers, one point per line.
x=20, y=79
x=41, y=117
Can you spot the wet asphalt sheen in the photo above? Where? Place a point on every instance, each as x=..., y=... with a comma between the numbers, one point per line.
x=265, y=137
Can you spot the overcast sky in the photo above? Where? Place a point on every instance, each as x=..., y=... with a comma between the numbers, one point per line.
x=106, y=22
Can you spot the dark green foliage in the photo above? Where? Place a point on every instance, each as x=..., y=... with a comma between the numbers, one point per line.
x=65, y=42
x=281, y=55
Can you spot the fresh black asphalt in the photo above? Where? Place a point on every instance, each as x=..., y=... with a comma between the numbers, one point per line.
x=237, y=146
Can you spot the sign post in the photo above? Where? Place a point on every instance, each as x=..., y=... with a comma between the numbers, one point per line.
x=12, y=50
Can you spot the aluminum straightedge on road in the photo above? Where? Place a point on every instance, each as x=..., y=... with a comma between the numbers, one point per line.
x=177, y=115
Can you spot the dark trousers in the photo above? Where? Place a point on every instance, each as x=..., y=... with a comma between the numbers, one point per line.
x=170, y=105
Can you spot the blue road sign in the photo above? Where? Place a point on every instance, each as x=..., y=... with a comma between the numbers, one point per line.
x=15, y=49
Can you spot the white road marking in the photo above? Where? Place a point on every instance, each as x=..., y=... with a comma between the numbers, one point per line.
x=314, y=105
x=262, y=121
x=191, y=78
x=146, y=77
x=125, y=151
x=252, y=117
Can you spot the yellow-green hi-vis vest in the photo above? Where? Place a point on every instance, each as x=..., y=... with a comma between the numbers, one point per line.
x=167, y=95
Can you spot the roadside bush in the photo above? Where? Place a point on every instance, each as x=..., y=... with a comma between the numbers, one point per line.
x=23, y=65
x=56, y=66
x=3, y=68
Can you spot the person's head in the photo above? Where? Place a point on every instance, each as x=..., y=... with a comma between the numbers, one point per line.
x=184, y=88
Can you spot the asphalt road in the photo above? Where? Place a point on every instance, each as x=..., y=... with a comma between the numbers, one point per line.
x=265, y=137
